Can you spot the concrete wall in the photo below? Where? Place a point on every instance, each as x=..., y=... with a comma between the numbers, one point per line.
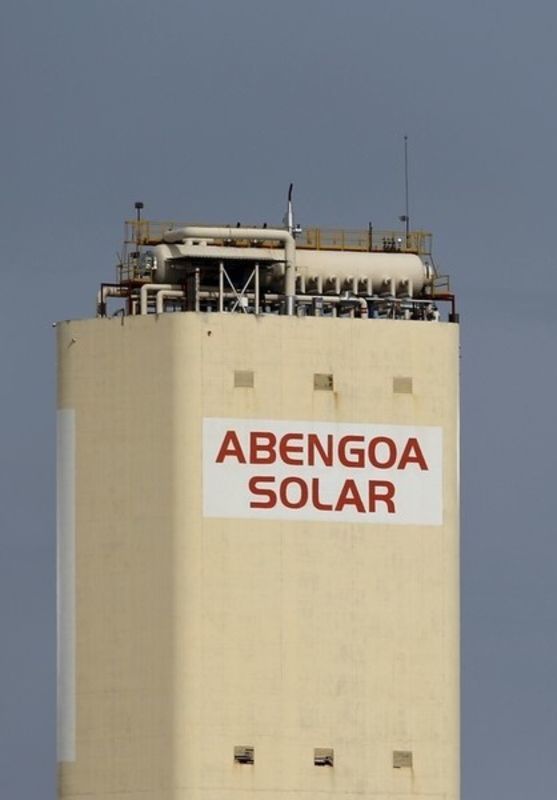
x=184, y=636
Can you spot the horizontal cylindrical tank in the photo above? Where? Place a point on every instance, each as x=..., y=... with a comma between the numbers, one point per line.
x=380, y=271
x=321, y=270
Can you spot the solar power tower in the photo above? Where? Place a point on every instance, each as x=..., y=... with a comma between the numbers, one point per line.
x=258, y=520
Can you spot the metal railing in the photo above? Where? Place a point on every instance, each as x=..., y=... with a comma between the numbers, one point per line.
x=370, y=240
x=144, y=232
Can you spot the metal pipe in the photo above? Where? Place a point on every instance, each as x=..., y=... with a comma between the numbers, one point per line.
x=326, y=299
x=196, y=289
x=260, y=234
x=221, y=286
x=308, y=299
x=105, y=291
x=302, y=299
x=163, y=294
x=151, y=287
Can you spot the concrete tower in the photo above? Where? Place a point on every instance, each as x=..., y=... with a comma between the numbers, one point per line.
x=258, y=521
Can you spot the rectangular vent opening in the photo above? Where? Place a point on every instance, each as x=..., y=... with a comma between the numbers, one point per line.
x=402, y=758
x=244, y=755
x=323, y=381
x=323, y=757
x=244, y=378
x=402, y=385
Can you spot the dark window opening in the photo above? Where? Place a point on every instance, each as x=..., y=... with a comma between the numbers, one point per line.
x=323, y=757
x=402, y=758
x=244, y=755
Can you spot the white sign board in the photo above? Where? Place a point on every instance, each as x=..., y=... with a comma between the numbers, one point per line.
x=322, y=471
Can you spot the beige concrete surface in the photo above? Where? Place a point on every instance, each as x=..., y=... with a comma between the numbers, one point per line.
x=194, y=635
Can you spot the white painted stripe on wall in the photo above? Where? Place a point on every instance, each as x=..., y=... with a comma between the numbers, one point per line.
x=65, y=535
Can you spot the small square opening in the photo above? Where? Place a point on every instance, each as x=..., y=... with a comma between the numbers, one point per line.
x=402, y=385
x=324, y=757
x=244, y=755
x=244, y=378
x=402, y=759
x=323, y=381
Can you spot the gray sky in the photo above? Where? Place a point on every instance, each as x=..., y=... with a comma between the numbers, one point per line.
x=206, y=110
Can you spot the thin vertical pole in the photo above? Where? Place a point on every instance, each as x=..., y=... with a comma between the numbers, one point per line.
x=257, y=288
x=406, y=200
x=197, y=288
x=221, y=286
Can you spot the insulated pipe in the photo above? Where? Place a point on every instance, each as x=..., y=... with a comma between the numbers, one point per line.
x=256, y=268
x=221, y=286
x=261, y=234
x=151, y=287
x=356, y=301
x=163, y=294
x=327, y=299
x=303, y=299
x=103, y=293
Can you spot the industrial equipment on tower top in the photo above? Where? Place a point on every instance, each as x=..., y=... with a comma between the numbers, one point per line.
x=168, y=266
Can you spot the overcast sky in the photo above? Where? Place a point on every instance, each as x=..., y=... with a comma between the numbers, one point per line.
x=205, y=111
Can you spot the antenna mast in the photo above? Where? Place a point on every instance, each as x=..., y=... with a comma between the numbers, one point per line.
x=406, y=207
x=406, y=216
